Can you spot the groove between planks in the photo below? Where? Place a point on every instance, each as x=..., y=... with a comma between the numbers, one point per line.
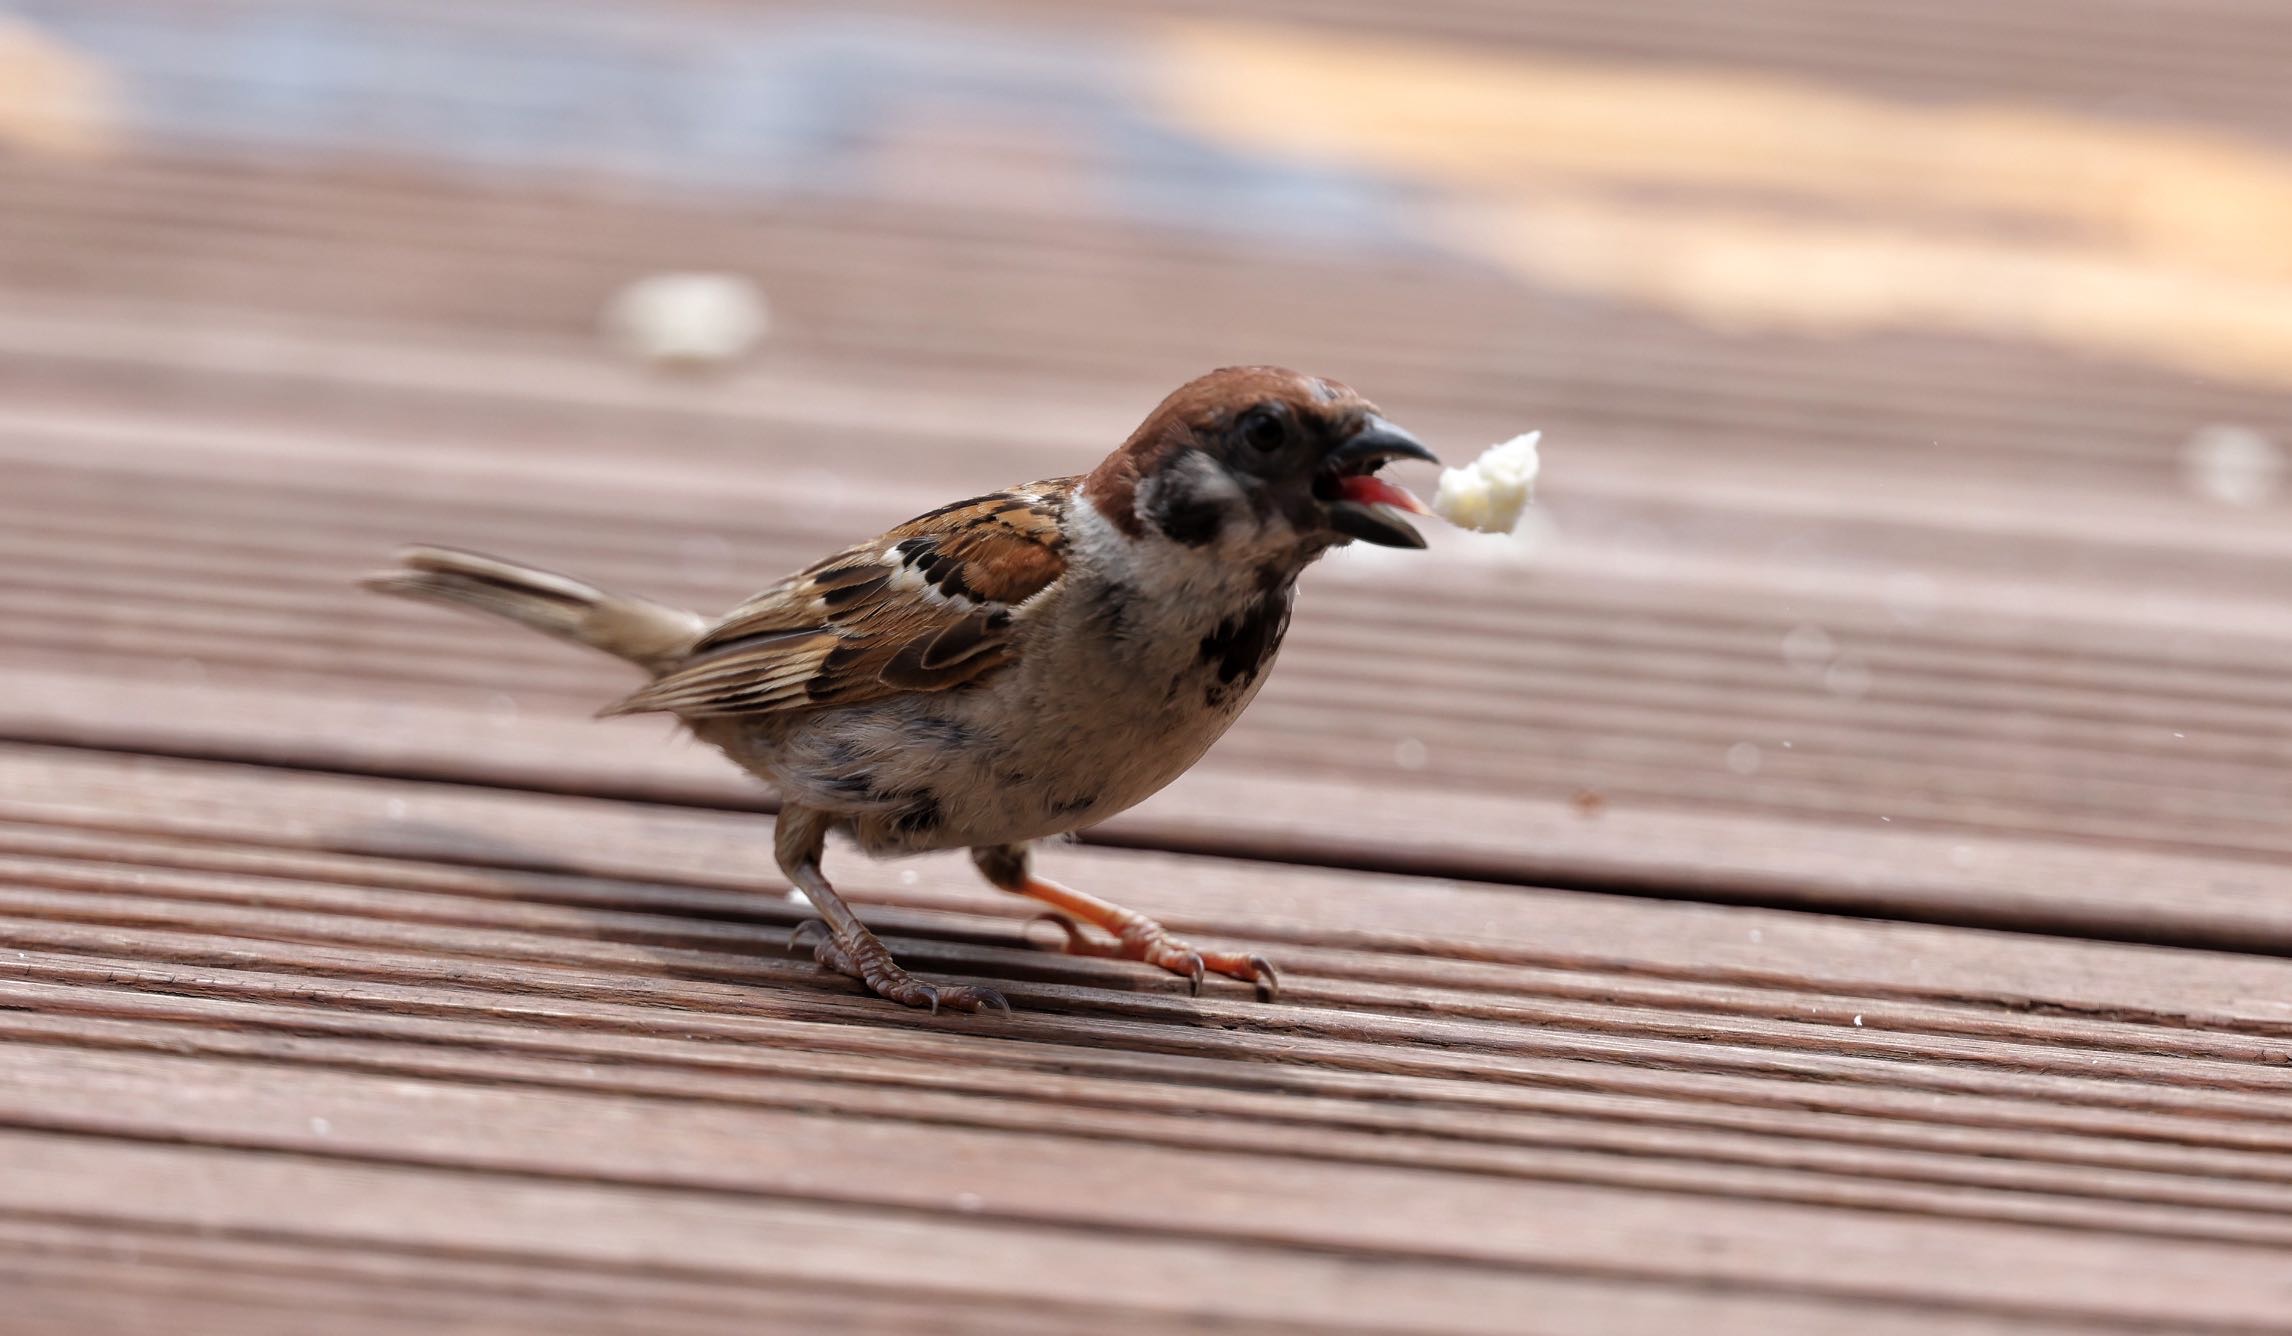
x=1670, y=771
x=1295, y=1040
x=1881, y=1184
x=300, y=1278
x=754, y=918
x=359, y=523
x=85, y=884
x=1250, y=1202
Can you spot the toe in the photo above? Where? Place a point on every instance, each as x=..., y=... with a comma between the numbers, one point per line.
x=970, y=999
x=832, y=955
x=1172, y=955
x=909, y=991
x=1250, y=969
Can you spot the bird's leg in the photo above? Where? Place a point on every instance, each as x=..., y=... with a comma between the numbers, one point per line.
x=847, y=947
x=1136, y=937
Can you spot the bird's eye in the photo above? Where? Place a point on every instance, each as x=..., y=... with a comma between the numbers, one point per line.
x=1264, y=429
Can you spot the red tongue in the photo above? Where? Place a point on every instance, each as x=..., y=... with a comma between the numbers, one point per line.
x=1371, y=490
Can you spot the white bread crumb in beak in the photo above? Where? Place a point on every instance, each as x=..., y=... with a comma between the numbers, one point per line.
x=1491, y=492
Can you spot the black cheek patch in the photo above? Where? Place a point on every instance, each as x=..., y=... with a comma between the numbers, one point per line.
x=1183, y=517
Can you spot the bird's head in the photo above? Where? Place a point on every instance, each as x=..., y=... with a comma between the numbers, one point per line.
x=1260, y=462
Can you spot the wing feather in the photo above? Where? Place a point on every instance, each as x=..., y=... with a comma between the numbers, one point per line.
x=931, y=606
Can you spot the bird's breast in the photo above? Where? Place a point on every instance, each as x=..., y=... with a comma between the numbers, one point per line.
x=1135, y=689
x=1114, y=693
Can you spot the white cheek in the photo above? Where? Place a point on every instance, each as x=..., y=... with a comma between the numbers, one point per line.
x=1202, y=578
x=1192, y=484
x=1209, y=481
x=1149, y=562
x=1091, y=532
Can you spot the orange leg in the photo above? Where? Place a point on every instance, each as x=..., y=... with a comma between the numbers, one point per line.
x=1136, y=937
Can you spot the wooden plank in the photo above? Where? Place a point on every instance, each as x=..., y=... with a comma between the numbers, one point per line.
x=760, y=1243
x=1902, y=871
x=856, y=289
x=936, y=1173
x=79, y=796
x=254, y=990
x=1641, y=835
x=119, y=1274
x=1937, y=1009
x=1983, y=724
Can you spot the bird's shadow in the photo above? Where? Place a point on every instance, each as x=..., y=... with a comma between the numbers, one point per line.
x=717, y=944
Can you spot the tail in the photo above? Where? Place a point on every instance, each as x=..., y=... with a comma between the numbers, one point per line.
x=648, y=634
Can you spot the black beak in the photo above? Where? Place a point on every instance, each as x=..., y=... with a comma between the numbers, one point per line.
x=1377, y=443
x=1373, y=520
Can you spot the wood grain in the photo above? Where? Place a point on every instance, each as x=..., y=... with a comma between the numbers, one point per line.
x=424, y=973
x=535, y=1018
x=1990, y=734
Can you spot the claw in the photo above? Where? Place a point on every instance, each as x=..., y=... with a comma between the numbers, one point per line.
x=797, y=935
x=966, y=998
x=1135, y=937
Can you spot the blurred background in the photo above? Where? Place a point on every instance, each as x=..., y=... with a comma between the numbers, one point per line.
x=1913, y=382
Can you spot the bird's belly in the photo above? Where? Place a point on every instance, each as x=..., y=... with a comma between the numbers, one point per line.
x=1065, y=777
x=993, y=765
x=1083, y=726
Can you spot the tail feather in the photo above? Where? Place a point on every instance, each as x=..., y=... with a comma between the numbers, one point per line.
x=651, y=635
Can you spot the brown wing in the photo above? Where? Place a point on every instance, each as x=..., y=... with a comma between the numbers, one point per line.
x=929, y=606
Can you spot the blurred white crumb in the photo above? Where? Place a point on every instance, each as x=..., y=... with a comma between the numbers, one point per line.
x=686, y=319
x=2233, y=465
x=1490, y=493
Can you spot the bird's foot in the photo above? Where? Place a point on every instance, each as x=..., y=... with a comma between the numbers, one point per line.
x=1137, y=937
x=864, y=957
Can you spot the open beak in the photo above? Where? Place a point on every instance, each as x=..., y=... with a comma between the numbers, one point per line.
x=1362, y=505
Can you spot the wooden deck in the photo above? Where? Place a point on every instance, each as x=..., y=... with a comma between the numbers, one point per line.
x=1840, y=880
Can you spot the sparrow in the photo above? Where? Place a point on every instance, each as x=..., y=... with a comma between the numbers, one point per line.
x=1008, y=668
